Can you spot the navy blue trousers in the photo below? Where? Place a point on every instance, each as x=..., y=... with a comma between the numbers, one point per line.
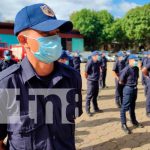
x=147, y=89
x=128, y=103
x=118, y=92
x=92, y=93
x=104, y=73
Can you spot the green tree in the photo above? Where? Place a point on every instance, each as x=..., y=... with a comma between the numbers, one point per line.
x=106, y=19
x=137, y=25
x=117, y=34
x=87, y=22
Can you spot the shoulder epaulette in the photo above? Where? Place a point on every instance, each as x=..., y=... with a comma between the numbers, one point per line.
x=9, y=71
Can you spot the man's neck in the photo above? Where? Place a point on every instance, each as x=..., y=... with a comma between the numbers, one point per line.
x=42, y=69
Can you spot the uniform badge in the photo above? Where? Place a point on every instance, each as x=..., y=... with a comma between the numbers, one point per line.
x=47, y=11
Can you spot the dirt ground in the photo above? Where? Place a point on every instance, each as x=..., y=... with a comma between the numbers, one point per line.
x=103, y=131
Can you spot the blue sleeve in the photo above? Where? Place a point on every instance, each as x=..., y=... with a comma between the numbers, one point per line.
x=79, y=104
x=148, y=66
x=115, y=67
x=88, y=67
x=123, y=75
x=3, y=117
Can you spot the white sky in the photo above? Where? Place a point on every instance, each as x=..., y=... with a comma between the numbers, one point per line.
x=63, y=8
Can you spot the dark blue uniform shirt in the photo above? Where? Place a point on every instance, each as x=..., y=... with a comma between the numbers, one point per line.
x=147, y=66
x=126, y=60
x=5, y=64
x=119, y=66
x=129, y=76
x=76, y=63
x=104, y=62
x=144, y=61
x=28, y=134
x=93, y=70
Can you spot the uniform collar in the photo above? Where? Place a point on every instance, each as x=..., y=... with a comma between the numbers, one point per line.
x=60, y=71
x=27, y=70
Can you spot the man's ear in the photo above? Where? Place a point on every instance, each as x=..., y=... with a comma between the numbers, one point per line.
x=22, y=39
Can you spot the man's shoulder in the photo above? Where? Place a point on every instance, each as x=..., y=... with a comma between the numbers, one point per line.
x=9, y=71
x=69, y=71
x=126, y=69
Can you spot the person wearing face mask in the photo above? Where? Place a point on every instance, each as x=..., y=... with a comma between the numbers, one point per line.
x=104, y=69
x=145, y=72
x=76, y=61
x=145, y=60
x=64, y=58
x=129, y=79
x=119, y=65
x=7, y=62
x=128, y=53
x=47, y=89
x=92, y=74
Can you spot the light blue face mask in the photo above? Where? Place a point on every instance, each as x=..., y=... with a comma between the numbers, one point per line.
x=67, y=62
x=135, y=64
x=50, y=48
x=99, y=58
x=7, y=58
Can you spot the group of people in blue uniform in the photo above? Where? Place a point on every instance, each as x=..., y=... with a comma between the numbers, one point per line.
x=126, y=74
x=46, y=66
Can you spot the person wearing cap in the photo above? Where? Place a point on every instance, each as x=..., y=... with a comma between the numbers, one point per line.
x=76, y=61
x=39, y=75
x=129, y=79
x=92, y=74
x=104, y=69
x=146, y=72
x=70, y=58
x=119, y=65
x=64, y=58
x=7, y=61
x=145, y=60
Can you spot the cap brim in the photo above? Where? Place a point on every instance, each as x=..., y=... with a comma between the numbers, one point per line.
x=49, y=25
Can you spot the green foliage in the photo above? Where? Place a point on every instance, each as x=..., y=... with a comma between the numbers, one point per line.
x=137, y=23
x=100, y=27
x=87, y=23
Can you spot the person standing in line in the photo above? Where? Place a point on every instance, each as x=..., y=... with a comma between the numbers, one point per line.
x=92, y=73
x=129, y=79
x=119, y=65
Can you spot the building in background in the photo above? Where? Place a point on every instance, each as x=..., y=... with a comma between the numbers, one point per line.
x=70, y=41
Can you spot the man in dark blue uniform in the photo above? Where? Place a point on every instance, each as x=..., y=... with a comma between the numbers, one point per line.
x=70, y=58
x=37, y=28
x=7, y=62
x=119, y=65
x=92, y=73
x=129, y=78
x=104, y=69
x=146, y=74
x=64, y=58
x=76, y=61
x=144, y=62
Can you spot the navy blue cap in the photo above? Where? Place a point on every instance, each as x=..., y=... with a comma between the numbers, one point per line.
x=95, y=53
x=7, y=52
x=64, y=55
x=120, y=54
x=133, y=56
x=39, y=17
